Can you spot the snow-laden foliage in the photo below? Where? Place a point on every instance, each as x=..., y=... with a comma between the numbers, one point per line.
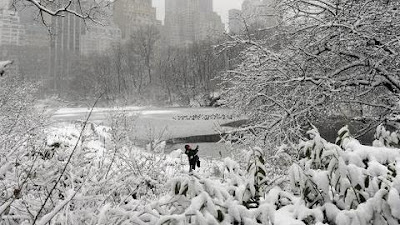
x=384, y=137
x=325, y=58
x=197, y=200
x=343, y=183
x=347, y=182
x=21, y=127
x=84, y=178
x=19, y=121
x=87, y=181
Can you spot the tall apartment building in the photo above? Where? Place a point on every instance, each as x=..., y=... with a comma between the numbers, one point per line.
x=24, y=40
x=11, y=30
x=36, y=33
x=189, y=21
x=22, y=25
x=65, y=45
x=11, y=35
x=5, y=4
x=98, y=39
x=236, y=23
x=34, y=58
x=129, y=15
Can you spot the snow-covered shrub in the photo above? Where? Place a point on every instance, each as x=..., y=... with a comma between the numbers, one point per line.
x=237, y=198
x=21, y=137
x=348, y=182
x=342, y=183
x=85, y=180
x=278, y=159
x=386, y=138
x=195, y=200
x=269, y=167
x=73, y=172
x=19, y=121
x=88, y=178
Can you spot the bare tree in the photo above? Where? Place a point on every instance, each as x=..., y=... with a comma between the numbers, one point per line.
x=141, y=69
x=145, y=39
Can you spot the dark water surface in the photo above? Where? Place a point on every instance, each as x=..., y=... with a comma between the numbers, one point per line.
x=328, y=129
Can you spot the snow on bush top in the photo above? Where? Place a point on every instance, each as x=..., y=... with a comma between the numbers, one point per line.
x=357, y=153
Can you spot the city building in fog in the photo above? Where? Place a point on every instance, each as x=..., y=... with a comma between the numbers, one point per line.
x=255, y=14
x=65, y=46
x=11, y=30
x=34, y=60
x=236, y=23
x=189, y=21
x=98, y=39
x=24, y=40
x=11, y=35
x=36, y=33
x=130, y=15
x=5, y=4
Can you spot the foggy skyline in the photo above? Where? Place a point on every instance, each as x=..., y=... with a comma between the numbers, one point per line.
x=220, y=6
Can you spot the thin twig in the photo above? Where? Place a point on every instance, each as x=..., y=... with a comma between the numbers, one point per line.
x=68, y=161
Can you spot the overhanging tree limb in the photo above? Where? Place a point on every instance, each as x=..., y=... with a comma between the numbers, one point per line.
x=59, y=12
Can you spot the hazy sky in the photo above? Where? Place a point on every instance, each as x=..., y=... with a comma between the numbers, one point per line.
x=220, y=6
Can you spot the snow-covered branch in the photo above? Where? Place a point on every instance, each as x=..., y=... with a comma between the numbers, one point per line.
x=58, y=12
x=4, y=66
x=47, y=218
x=342, y=55
x=60, y=8
x=320, y=4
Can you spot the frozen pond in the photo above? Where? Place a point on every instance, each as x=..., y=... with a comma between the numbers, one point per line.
x=163, y=123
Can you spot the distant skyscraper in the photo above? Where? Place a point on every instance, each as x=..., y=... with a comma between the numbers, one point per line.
x=36, y=33
x=34, y=57
x=11, y=30
x=98, y=39
x=236, y=24
x=130, y=15
x=259, y=13
x=11, y=36
x=188, y=21
x=255, y=14
x=65, y=46
x=24, y=40
x=5, y=4
x=206, y=5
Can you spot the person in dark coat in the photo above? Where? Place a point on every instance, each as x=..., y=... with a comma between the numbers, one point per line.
x=192, y=156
